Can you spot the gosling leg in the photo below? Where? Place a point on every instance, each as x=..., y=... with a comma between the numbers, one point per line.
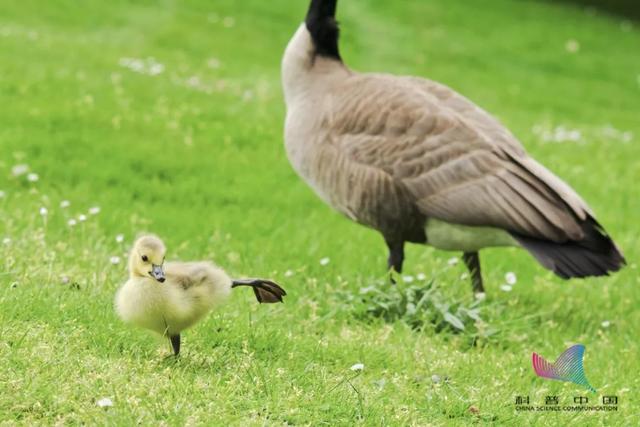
x=472, y=261
x=175, y=343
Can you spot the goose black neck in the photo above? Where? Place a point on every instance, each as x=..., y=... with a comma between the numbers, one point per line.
x=323, y=27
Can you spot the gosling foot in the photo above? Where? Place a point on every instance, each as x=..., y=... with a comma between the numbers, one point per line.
x=266, y=291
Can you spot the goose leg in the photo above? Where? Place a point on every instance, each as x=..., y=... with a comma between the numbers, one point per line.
x=472, y=261
x=175, y=343
x=396, y=258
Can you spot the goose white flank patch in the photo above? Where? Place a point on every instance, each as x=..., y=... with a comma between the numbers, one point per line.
x=420, y=163
x=167, y=298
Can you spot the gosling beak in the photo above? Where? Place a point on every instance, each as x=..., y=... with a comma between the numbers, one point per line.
x=157, y=273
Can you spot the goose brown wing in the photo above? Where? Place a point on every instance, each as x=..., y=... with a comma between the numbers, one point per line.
x=459, y=164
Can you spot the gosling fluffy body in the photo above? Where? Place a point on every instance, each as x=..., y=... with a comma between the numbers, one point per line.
x=190, y=291
x=168, y=298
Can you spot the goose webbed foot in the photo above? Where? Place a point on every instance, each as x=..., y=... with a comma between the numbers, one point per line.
x=266, y=291
x=472, y=261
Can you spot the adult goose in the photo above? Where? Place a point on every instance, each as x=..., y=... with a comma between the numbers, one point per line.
x=420, y=163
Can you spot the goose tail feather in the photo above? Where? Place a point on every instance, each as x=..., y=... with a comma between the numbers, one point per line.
x=595, y=255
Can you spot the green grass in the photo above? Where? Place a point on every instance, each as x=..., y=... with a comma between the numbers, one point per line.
x=195, y=154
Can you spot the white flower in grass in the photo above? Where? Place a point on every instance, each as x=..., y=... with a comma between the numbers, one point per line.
x=94, y=210
x=421, y=276
x=6, y=241
x=2, y=194
x=453, y=260
x=407, y=279
x=33, y=177
x=511, y=278
x=120, y=238
x=43, y=211
x=605, y=324
x=480, y=296
x=213, y=63
x=357, y=367
x=324, y=261
x=115, y=260
x=65, y=204
x=288, y=273
x=155, y=69
x=105, y=402
x=72, y=222
x=19, y=170
x=65, y=279
x=82, y=218
x=572, y=46
x=506, y=288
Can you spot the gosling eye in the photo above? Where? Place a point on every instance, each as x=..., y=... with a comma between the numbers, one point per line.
x=145, y=258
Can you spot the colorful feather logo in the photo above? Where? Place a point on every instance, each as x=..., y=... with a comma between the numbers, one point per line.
x=568, y=367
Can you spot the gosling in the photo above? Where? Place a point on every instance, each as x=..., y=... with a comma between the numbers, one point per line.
x=167, y=298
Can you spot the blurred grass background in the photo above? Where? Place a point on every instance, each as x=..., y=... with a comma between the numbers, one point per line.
x=168, y=117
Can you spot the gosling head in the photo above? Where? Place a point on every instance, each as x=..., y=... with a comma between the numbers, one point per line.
x=147, y=257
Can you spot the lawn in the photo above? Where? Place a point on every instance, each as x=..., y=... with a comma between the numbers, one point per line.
x=167, y=116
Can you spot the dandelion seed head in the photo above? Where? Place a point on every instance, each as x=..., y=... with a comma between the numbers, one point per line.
x=605, y=324
x=6, y=241
x=480, y=296
x=115, y=260
x=453, y=260
x=33, y=177
x=43, y=211
x=94, y=210
x=65, y=204
x=288, y=273
x=72, y=222
x=82, y=218
x=421, y=276
x=506, y=288
x=324, y=261
x=407, y=279
x=120, y=238
x=357, y=367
